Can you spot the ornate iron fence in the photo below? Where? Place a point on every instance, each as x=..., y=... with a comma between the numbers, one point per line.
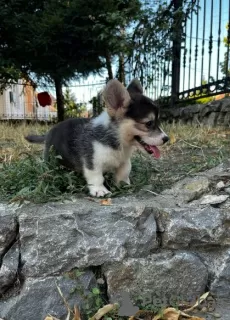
x=204, y=64
x=193, y=61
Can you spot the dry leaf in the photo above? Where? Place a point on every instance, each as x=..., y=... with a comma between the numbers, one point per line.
x=77, y=315
x=172, y=138
x=173, y=314
x=106, y=202
x=143, y=314
x=168, y=314
x=198, y=302
x=49, y=318
x=101, y=312
x=187, y=316
x=190, y=317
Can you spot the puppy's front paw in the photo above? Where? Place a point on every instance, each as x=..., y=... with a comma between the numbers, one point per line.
x=98, y=191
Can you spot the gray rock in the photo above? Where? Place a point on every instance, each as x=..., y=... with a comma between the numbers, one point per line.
x=226, y=119
x=210, y=119
x=220, y=185
x=188, y=189
x=210, y=114
x=160, y=276
x=8, y=232
x=227, y=190
x=130, y=240
x=57, y=238
x=220, y=286
x=225, y=105
x=190, y=227
x=213, y=199
x=9, y=268
x=40, y=297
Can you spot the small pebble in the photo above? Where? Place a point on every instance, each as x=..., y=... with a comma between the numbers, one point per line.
x=204, y=309
x=216, y=315
x=100, y=281
x=220, y=185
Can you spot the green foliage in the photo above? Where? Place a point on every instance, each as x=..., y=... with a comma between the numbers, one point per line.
x=224, y=66
x=72, y=108
x=8, y=75
x=204, y=100
x=93, y=302
x=157, y=26
x=98, y=105
x=62, y=40
x=56, y=41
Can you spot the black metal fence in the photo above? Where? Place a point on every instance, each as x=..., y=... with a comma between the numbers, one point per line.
x=194, y=60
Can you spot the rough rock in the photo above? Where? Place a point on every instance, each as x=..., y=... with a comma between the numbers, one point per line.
x=163, y=275
x=166, y=244
x=221, y=283
x=40, y=297
x=9, y=268
x=210, y=114
x=84, y=235
x=188, y=189
x=190, y=227
x=220, y=185
x=213, y=199
x=8, y=227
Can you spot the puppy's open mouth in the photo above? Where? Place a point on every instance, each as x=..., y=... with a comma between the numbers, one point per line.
x=153, y=150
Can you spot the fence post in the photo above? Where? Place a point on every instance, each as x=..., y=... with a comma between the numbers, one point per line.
x=176, y=52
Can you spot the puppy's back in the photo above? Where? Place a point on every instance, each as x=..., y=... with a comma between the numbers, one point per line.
x=65, y=137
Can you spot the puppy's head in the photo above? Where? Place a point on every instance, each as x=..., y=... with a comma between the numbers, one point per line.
x=137, y=114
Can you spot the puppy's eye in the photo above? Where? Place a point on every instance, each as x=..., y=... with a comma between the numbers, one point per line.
x=149, y=124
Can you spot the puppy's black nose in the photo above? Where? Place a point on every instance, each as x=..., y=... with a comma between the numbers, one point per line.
x=165, y=139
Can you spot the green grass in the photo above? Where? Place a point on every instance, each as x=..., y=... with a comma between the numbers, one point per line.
x=24, y=176
x=32, y=179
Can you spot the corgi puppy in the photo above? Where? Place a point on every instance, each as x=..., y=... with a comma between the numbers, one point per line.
x=106, y=142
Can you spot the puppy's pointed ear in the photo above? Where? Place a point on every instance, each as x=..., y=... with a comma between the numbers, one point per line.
x=135, y=87
x=116, y=98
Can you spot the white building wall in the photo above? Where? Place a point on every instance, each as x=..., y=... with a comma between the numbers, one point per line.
x=12, y=103
x=13, y=106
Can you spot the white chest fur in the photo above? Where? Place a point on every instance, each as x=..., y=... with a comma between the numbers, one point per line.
x=108, y=158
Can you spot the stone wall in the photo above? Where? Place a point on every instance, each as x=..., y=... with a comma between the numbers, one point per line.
x=176, y=244
x=214, y=113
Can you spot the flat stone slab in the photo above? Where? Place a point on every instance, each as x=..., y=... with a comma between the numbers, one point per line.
x=163, y=276
x=56, y=238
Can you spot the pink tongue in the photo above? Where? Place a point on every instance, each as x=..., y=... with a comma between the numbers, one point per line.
x=154, y=150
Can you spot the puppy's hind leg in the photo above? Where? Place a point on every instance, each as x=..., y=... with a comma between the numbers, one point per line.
x=122, y=173
x=95, y=182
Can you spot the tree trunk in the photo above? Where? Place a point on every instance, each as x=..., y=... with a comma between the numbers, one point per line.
x=109, y=65
x=121, y=71
x=60, y=100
